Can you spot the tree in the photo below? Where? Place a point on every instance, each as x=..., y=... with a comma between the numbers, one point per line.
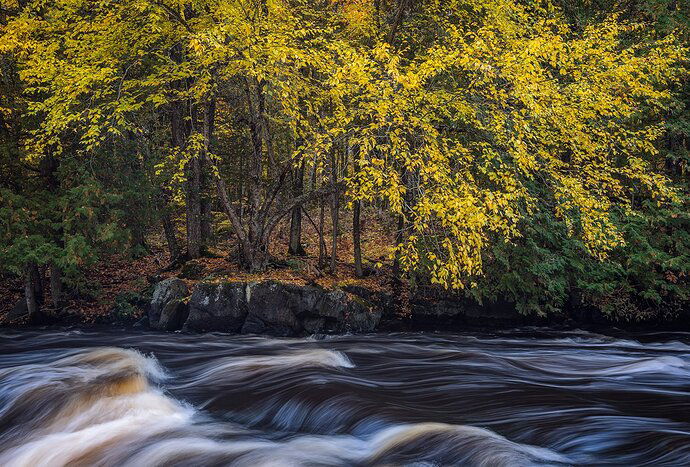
x=470, y=120
x=479, y=113
x=231, y=52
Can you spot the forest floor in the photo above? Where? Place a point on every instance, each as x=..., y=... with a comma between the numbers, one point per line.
x=122, y=275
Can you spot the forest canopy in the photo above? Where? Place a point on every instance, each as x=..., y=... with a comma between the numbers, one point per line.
x=533, y=151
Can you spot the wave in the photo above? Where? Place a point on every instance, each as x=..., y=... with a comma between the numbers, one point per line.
x=418, y=444
x=69, y=411
x=100, y=408
x=409, y=400
x=241, y=367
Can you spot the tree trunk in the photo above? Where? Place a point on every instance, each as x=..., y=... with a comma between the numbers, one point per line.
x=322, y=242
x=255, y=165
x=37, y=281
x=206, y=202
x=138, y=235
x=335, y=212
x=49, y=167
x=180, y=134
x=193, y=205
x=356, y=214
x=357, y=238
x=32, y=286
x=56, y=285
x=258, y=257
x=170, y=234
x=206, y=224
x=398, y=241
x=295, y=247
x=181, y=121
x=399, y=232
x=335, y=220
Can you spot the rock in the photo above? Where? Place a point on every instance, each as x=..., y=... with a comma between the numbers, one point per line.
x=142, y=323
x=217, y=307
x=379, y=300
x=346, y=313
x=254, y=325
x=165, y=292
x=461, y=312
x=173, y=316
x=360, y=318
x=314, y=325
x=153, y=279
x=19, y=312
x=273, y=308
x=359, y=291
x=438, y=311
x=500, y=312
x=192, y=270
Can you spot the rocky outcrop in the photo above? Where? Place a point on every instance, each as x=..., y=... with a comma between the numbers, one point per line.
x=268, y=307
x=276, y=308
x=286, y=309
x=168, y=310
x=217, y=307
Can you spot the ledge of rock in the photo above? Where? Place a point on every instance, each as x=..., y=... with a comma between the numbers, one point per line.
x=269, y=307
x=168, y=311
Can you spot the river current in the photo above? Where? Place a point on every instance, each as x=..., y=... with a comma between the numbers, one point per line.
x=525, y=397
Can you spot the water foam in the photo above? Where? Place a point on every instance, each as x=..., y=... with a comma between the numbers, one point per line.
x=69, y=410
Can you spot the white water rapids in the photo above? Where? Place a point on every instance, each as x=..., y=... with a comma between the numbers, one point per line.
x=515, y=399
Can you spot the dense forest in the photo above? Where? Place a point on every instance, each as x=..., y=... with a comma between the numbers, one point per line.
x=523, y=150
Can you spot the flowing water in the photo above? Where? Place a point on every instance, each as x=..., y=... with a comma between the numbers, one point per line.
x=520, y=398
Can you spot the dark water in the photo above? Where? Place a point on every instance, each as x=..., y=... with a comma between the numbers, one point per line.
x=92, y=398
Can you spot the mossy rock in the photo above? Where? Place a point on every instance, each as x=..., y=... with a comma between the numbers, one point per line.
x=192, y=270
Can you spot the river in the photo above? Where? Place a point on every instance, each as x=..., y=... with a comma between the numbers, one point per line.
x=525, y=397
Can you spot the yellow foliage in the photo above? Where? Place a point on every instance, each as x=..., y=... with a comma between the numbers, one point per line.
x=483, y=101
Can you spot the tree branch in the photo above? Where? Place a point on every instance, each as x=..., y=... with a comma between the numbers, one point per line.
x=302, y=199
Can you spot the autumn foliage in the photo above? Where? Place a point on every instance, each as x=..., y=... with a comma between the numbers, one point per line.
x=525, y=150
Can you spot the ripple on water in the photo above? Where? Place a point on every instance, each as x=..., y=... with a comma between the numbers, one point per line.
x=398, y=399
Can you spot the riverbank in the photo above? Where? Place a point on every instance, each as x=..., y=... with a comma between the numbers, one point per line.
x=293, y=306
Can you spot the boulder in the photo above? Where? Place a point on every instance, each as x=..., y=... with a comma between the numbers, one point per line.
x=217, y=307
x=165, y=292
x=314, y=325
x=274, y=308
x=460, y=312
x=438, y=311
x=142, y=323
x=269, y=307
x=173, y=316
x=346, y=313
x=19, y=312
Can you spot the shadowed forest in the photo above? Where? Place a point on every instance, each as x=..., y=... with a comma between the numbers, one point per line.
x=534, y=152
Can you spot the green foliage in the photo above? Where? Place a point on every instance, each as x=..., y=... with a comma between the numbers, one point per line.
x=127, y=305
x=69, y=228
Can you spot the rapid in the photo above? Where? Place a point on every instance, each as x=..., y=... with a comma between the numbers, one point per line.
x=518, y=398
